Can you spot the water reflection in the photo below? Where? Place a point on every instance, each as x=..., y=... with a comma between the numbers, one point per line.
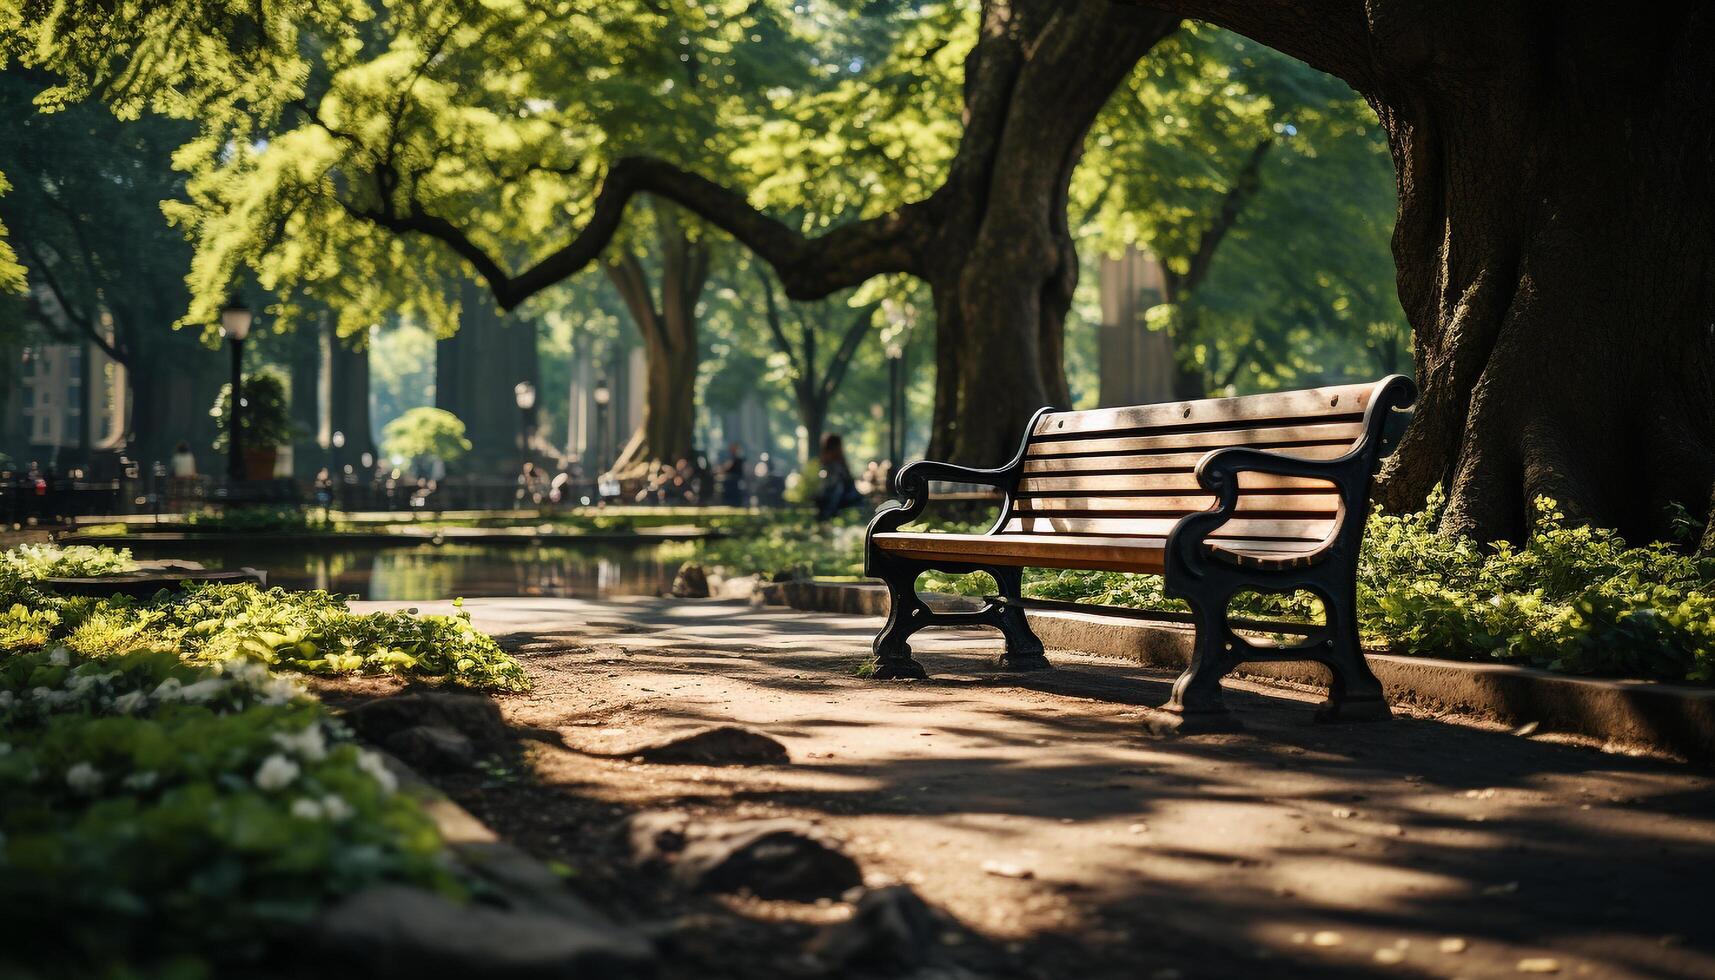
x=429, y=571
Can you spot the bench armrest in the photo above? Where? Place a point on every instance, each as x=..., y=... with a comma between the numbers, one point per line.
x=911, y=485
x=1219, y=470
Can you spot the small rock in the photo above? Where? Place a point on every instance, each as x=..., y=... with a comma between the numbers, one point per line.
x=726, y=745
x=1389, y=956
x=772, y=859
x=397, y=931
x=1326, y=938
x=1453, y=944
x=472, y=715
x=1539, y=964
x=1527, y=729
x=891, y=927
x=692, y=582
x=435, y=748
x=1005, y=869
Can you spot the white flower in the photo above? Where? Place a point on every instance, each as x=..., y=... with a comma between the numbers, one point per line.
x=371, y=763
x=7, y=699
x=79, y=684
x=129, y=701
x=49, y=698
x=83, y=778
x=140, y=781
x=306, y=809
x=279, y=690
x=309, y=743
x=337, y=808
x=202, y=690
x=5, y=748
x=277, y=772
x=59, y=657
x=248, y=672
x=168, y=689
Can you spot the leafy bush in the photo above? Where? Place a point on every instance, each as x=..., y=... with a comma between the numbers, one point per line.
x=165, y=815
x=38, y=561
x=425, y=431
x=251, y=520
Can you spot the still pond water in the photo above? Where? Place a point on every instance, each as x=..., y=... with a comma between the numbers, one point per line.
x=429, y=571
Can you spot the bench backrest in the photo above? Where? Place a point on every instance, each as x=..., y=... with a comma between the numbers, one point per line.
x=1131, y=471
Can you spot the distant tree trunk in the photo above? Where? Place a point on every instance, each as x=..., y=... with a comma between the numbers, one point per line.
x=668, y=325
x=475, y=372
x=1553, y=245
x=813, y=383
x=348, y=411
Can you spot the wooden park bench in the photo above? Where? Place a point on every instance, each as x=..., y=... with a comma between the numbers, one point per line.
x=1260, y=493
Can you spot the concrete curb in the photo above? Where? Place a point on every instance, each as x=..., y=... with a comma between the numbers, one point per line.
x=1670, y=719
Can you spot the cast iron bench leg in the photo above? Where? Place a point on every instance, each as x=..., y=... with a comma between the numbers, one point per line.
x=1023, y=650
x=906, y=614
x=1354, y=694
x=1197, y=691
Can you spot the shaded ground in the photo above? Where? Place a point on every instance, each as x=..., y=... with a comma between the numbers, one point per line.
x=1067, y=843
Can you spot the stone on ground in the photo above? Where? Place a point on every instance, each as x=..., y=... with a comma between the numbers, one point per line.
x=772, y=859
x=725, y=745
x=394, y=931
x=432, y=748
x=891, y=927
x=691, y=582
x=475, y=717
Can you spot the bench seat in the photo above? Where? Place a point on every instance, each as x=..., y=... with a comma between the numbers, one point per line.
x=1259, y=493
x=1099, y=552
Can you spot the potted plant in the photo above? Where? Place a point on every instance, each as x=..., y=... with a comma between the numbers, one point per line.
x=266, y=421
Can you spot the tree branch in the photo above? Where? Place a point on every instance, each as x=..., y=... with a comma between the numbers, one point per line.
x=855, y=333
x=771, y=316
x=809, y=268
x=1243, y=188
x=1329, y=35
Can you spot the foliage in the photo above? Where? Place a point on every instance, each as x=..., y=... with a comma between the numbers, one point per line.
x=1573, y=599
x=424, y=431
x=1218, y=156
x=309, y=632
x=255, y=519
x=159, y=812
x=792, y=546
x=37, y=561
x=266, y=420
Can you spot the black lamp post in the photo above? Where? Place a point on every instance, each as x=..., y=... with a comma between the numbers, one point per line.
x=235, y=320
x=603, y=394
x=896, y=404
x=524, y=393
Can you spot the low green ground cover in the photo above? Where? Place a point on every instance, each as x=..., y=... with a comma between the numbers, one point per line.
x=1573, y=599
x=174, y=802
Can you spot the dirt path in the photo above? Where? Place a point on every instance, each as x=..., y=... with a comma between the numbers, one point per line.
x=1065, y=841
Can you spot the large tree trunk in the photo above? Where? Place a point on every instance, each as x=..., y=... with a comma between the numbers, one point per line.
x=1554, y=244
x=670, y=342
x=1003, y=266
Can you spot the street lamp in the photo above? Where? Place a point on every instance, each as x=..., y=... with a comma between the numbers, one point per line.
x=235, y=320
x=896, y=404
x=603, y=395
x=524, y=393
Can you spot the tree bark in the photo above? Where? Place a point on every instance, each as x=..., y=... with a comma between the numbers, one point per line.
x=475, y=371
x=1554, y=246
x=668, y=326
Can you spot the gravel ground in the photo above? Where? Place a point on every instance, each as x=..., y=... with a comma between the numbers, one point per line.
x=1059, y=838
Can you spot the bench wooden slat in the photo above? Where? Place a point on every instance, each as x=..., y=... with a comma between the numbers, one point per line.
x=1130, y=484
x=1313, y=403
x=1310, y=530
x=1159, y=461
x=1181, y=504
x=1060, y=550
x=1261, y=438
